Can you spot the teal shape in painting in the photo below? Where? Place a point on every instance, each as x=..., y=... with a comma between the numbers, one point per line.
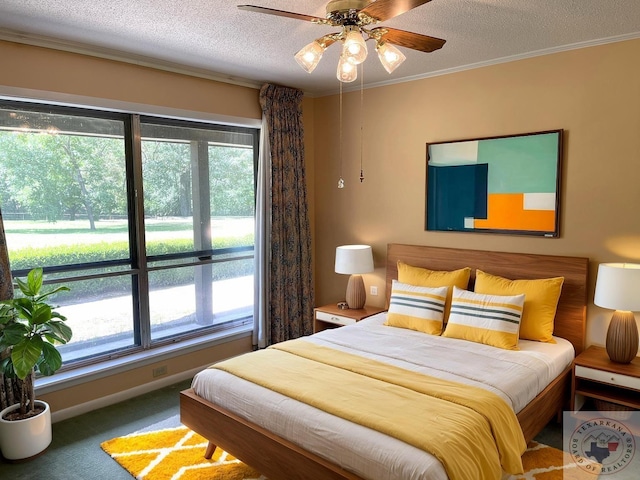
x=527, y=164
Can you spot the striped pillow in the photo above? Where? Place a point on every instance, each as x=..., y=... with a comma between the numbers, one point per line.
x=416, y=308
x=489, y=319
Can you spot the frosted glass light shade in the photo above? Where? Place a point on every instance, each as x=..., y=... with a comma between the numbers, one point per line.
x=347, y=71
x=618, y=286
x=354, y=259
x=390, y=57
x=309, y=56
x=354, y=48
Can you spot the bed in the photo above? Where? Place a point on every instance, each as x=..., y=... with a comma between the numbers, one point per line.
x=280, y=458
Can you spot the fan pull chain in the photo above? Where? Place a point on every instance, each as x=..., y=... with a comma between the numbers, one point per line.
x=340, y=180
x=361, y=120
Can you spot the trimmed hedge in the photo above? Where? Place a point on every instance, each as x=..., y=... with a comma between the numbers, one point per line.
x=28, y=258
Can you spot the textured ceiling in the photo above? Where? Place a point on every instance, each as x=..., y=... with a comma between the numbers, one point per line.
x=213, y=38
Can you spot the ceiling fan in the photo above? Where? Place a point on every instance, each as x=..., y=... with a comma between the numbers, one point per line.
x=355, y=18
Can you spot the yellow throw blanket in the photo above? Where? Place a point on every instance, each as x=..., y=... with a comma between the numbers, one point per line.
x=471, y=431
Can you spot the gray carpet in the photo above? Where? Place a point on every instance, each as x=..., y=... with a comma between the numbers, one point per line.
x=75, y=452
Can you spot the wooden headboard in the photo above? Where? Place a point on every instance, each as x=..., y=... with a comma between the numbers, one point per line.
x=572, y=307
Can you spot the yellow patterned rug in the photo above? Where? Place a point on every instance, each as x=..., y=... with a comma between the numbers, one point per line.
x=177, y=454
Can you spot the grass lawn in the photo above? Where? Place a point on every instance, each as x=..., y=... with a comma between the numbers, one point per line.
x=42, y=234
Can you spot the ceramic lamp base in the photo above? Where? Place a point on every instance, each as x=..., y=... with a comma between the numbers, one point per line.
x=356, y=294
x=622, y=337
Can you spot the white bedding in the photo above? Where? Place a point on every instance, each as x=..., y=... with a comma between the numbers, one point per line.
x=516, y=376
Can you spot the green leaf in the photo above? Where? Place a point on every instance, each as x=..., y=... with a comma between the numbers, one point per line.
x=52, y=338
x=25, y=355
x=23, y=306
x=61, y=331
x=14, y=334
x=57, y=315
x=41, y=314
x=34, y=279
x=55, y=290
x=7, y=314
x=51, y=360
x=24, y=287
x=6, y=368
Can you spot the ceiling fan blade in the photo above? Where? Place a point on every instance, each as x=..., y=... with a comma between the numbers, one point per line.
x=282, y=13
x=415, y=41
x=383, y=10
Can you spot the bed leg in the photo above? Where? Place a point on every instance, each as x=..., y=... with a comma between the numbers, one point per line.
x=210, y=449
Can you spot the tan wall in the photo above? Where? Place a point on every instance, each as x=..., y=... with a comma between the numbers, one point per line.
x=592, y=93
x=55, y=72
x=68, y=73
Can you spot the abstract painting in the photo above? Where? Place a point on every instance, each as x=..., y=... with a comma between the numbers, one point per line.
x=508, y=184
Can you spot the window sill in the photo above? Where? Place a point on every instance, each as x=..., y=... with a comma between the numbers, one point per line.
x=63, y=380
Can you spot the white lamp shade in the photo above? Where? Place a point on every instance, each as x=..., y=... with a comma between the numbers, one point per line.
x=618, y=286
x=354, y=259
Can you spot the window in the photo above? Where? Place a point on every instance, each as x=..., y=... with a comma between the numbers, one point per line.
x=149, y=221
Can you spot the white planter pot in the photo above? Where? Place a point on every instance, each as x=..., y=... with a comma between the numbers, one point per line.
x=22, y=439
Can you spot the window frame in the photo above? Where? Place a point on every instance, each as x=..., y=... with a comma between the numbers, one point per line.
x=138, y=262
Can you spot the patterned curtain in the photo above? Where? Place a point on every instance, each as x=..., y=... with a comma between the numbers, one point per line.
x=291, y=296
x=9, y=393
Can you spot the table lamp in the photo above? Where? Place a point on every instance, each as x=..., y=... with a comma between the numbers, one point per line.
x=354, y=260
x=618, y=288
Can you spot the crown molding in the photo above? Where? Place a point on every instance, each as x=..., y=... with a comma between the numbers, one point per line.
x=497, y=61
x=120, y=56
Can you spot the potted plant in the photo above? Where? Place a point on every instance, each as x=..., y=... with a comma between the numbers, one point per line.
x=29, y=331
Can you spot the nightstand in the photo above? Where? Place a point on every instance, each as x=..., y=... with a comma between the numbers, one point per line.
x=595, y=376
x=330, y=316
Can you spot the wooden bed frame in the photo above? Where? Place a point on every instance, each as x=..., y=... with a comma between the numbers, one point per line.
x=280, y=459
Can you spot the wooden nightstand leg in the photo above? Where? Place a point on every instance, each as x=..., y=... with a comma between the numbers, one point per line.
x=572, y=398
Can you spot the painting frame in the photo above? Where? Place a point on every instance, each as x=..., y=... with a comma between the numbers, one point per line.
x=508, y=184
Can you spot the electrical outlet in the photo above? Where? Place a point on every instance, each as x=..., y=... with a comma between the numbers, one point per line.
x=159, y=371
x=373, y=290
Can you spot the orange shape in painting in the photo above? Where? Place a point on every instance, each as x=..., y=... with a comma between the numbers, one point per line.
x=505, y=212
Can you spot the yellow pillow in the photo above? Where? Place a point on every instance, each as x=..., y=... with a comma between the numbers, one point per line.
x=541, y=301
x=490, y=319
x=423, y=277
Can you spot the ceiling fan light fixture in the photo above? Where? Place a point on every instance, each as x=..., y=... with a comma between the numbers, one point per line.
x=390, y=57
x=309, y=56
x=354, y=48
x=354, y=17
x=347, y=71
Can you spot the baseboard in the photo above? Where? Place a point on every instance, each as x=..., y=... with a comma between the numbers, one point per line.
x=86, y=407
